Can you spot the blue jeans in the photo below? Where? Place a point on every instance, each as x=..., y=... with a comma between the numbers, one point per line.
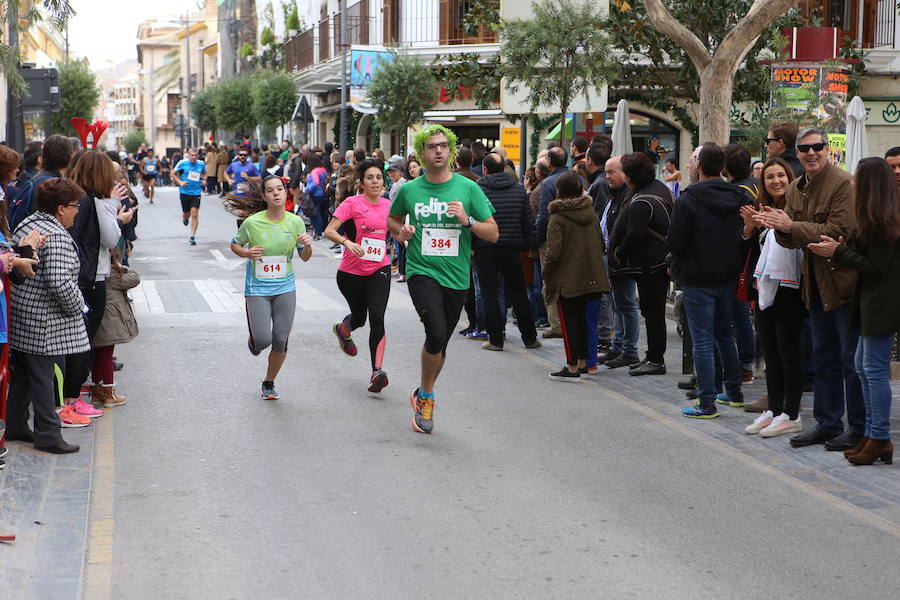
x=744, y=335
x=708, y=312
x=837, y=384
x=592, y=317
x=605, y=322
x=873, y=363
x=626, y=318
x=538, y=308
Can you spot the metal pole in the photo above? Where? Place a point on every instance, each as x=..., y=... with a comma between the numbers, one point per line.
x=15, y=126
x=343, y=142
x=523, y=148
x=187, y=64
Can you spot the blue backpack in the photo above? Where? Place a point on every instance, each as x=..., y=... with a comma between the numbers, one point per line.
x=20, y=205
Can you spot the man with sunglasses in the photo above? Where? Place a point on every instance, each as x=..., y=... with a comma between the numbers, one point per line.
x=241, y=170
x=819, y=203
x=780, y=142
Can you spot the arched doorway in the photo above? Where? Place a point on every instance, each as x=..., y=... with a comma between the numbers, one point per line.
x=659, y=139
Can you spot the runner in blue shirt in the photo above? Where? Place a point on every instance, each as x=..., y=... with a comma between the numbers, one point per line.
x=241, y=170
x=149, y=171
x=187, y=175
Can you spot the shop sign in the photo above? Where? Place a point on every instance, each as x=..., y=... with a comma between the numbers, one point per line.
x=510, y=138
x=883, y=113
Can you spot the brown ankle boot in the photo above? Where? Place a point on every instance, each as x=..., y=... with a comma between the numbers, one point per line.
x=857, y=448
x=106, y=394
x=874, y=450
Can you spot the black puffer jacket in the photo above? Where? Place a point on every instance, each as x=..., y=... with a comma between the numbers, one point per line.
x=513, y=214
x=633, y=249
x=705, y=235
x=86, y=233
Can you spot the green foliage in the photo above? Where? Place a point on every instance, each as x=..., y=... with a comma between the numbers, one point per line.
x=466, y=71
x=402, y=90
x=58, y=12
x=267, y=38
x=481, y=12
x=292, y=22
x=233, y=100
x=203, y=109
x=658, y=73
x=537, y=126
x=79, y=94
x=133, y=140
x=246, y=51
x=274, y=99
x=353, y=118
x=559, y=54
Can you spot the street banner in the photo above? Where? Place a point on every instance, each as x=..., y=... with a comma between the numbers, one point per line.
x=816, y=87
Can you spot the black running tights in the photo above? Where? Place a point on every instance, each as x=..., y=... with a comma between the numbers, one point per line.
x=368, y=294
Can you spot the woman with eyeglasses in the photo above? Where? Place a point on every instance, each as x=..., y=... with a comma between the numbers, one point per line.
x=46, y=318
x=873, y=250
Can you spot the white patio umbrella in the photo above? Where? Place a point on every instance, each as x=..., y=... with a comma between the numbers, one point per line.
x=621, y=133
x=857, y=140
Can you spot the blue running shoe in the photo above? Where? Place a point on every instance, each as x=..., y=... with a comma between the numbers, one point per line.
x=698, y=412
x=729, y=400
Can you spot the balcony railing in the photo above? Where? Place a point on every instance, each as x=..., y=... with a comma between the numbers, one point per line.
x=382, y=22
x=885, y=23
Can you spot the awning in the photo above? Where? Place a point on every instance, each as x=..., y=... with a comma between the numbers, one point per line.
x=570, y=130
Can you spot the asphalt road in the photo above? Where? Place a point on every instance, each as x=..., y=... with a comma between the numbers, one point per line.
x=526, y=489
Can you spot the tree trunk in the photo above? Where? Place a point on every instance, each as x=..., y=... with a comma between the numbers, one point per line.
x=562, y=128
x=717, y=70
x=716, y=85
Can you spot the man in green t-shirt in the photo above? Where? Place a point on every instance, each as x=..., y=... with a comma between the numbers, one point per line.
x=444, y=211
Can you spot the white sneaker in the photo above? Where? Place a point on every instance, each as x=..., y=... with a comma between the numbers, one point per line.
x=759, y=423
x=780, y=425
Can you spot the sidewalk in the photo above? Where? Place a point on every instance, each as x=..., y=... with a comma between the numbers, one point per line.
x=875, y=489
x=44, y=502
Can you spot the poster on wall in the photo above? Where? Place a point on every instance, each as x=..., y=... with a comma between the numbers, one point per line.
x=817, y=88
x=363, y=64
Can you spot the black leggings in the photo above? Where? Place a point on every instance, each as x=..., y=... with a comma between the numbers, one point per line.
x=79, y=365
x=368, y=294
x=438, y=308
x=573, y=320
x=779, y=328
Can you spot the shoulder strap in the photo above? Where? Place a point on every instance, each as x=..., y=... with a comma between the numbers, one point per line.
x=753, y=191
x=646, y=198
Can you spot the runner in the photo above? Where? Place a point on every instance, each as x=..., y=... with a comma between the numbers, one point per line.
x=364, y=275
x=149, y=171
x=268, y=238
x=241, y=170
x=187, y=174
x=438, y=262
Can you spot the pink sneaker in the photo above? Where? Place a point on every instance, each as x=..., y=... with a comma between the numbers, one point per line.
x=86, y=410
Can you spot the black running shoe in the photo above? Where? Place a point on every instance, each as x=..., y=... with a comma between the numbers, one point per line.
x=378, y=382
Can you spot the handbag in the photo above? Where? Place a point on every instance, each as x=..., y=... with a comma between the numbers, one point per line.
x=742, y=289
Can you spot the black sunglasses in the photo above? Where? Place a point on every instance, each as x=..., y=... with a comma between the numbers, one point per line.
x=818, y=147
x=770, y=140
